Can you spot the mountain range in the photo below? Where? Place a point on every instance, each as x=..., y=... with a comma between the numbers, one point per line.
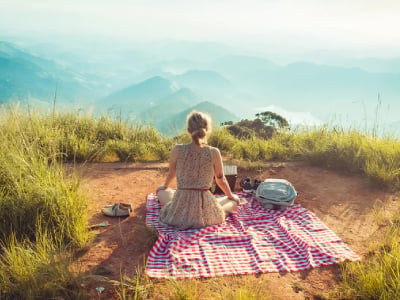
x=139, y=86
x=160, y=102
x=25, y=76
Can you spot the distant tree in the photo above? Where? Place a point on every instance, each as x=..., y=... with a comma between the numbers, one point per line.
x=227, y=123
x=264, y=126
x=272, y=119
x=249, y=128
x=241, y=132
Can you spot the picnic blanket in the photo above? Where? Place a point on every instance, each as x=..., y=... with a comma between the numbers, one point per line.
x=252, y=240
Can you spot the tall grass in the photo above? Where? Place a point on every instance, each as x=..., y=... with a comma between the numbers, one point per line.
x=34, y=189
x=75, y=137
x=41, y=212
x=40, y=270
x=352, y=151
x=378, y=276
x=329, y=147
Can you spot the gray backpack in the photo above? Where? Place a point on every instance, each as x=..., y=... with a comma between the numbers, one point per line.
x=275, y=194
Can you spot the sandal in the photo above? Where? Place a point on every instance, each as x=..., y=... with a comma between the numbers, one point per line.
x=117, y=210
x=122, y=205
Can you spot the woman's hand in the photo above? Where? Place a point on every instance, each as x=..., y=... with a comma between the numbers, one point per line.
x=235, y=198
x=161, y=188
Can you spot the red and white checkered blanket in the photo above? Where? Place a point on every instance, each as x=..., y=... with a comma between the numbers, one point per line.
x=252, y=240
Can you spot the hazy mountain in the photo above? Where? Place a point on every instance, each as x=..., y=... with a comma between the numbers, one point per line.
x=208, y=84
x=319, y=89
x=138, y=97
x=188, y=50
x=311, y=86
x=24, y=76
x=205, y=81
x=239, y=67
x=376, y=65
x=169, y=68
x=176, y=123
x=348, y=59
x=21, y=79
x=141, y=78
x=168, y=106
x=11, y=52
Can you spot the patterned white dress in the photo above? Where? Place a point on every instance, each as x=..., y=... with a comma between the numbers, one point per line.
x=193, y=205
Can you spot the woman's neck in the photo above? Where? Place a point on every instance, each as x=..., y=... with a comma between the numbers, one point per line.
x=194, y=144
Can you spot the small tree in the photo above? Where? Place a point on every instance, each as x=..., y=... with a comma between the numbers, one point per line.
x=227, y=123
x=248, y=128
x=272, y=119
x=264, y=126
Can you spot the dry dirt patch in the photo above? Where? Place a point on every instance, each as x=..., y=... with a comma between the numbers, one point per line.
x=347, y=204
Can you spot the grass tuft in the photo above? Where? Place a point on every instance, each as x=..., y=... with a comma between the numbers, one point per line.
x=40, y=270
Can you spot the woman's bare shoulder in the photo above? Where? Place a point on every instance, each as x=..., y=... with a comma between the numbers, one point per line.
x=179, y=146
x=214, y=150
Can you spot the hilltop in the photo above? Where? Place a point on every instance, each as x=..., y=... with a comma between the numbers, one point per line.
x=346, y=204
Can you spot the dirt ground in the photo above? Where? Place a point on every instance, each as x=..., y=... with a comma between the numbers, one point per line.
x=349, y=205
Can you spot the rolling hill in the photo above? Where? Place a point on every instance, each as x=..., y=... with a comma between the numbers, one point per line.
x=176, y=123
x=158, y=101
x=25, y=76
x=206, y=82
x=168, y=106
x=138, y=97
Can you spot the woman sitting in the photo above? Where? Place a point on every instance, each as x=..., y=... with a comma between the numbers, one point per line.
x=195, y=165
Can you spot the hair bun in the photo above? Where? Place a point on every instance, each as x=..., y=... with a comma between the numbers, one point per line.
x=202, y=133
x=199, y=133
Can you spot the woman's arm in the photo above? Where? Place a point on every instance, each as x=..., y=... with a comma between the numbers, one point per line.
x=172, y=169
x=219, y=175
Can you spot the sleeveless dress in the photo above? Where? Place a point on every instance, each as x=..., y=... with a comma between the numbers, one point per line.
x=193, y=205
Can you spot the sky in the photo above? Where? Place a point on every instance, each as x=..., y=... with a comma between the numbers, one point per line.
x=361, y=25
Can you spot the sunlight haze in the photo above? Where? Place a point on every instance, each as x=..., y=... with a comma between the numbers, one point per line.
x=311, y=61
x=304, y=25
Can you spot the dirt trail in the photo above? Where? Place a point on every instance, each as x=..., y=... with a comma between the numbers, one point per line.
x=346, y=204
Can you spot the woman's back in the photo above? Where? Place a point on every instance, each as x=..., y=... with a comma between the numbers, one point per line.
x=194, y=167
x=193, y=205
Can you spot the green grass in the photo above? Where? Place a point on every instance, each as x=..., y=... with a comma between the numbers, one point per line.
x=377, y=276
x=352, y=151
x=74, y=137
x=330, y=147
x=36, y=192
x=222, y=288
x=43, y=216
x=40, y=270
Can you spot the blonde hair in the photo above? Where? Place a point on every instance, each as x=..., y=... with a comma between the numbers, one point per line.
x=199, y=126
